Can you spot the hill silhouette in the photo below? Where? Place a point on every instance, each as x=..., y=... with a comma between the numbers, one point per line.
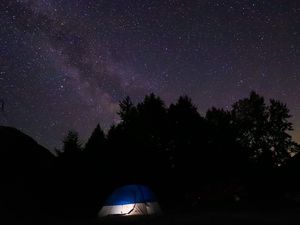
x=25, y=173
x=16, y=143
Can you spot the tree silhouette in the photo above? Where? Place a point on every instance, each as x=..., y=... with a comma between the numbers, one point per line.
x=151, y=122
x=95, y=162
x=127, y=110
x=71, y=145
x=187, y=141
x=281, y=144
x=251, y=121
x=263, y=130
x=96, y=140
x=263, y=133
x=221, y=149
x=138, y=143
x=229, y=159
x=71, y=174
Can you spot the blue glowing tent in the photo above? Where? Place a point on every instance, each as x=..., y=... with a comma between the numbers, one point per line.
x=131, y=200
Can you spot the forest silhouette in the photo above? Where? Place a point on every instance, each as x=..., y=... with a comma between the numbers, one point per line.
x=226, y=158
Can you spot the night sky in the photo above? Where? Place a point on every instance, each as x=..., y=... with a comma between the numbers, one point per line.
x=65, y=64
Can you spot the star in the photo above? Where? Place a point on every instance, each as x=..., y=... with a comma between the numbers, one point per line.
x=66, y=65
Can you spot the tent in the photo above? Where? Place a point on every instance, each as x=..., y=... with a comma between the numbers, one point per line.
x=131, y=200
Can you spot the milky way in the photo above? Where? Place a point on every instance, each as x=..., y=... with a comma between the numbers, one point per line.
x=65, y=64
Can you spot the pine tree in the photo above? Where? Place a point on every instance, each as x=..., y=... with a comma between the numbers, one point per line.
x=96, y=141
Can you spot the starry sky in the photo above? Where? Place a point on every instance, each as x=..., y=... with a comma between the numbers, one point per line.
x=65, y=64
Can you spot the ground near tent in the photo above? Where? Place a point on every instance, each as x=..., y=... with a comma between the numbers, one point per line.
x=271, y=217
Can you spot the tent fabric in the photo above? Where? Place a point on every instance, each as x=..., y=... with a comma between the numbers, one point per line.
x=131, y=194
x=131, y=200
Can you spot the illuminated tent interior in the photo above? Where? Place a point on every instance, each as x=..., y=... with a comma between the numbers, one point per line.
x=130, y=200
